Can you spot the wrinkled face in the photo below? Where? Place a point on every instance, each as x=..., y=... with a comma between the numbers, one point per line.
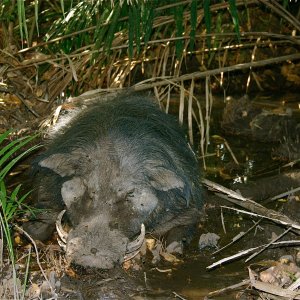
x=105, y=217
x=107, y=200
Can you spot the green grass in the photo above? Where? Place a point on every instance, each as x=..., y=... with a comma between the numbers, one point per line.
x=11, y=202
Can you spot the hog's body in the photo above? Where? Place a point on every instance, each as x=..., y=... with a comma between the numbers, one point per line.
x=115, y=165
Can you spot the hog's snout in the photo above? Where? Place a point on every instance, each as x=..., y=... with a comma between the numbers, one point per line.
x=103, y=250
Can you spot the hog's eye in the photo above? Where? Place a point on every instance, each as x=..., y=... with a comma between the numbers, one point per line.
x=130, y=194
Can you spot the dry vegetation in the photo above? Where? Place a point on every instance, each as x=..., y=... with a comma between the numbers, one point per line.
x=36, y=83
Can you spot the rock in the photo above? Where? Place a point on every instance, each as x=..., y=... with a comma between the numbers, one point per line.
x=175, y=247
x=208, y=240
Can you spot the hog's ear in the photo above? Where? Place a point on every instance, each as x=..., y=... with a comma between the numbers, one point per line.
x=62, y=164
x=164, y=180
x=72, y=191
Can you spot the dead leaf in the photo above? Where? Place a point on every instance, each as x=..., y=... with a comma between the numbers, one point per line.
x=170, y=257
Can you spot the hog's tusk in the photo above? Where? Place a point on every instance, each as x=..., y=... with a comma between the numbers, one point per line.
x=62, y=244
x=138, y=242
x=62, y=234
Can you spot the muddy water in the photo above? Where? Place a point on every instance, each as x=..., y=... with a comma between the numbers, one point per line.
x=255, y=157
x=190, y=279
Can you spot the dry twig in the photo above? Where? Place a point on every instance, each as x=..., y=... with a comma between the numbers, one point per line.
x=237, y=237
x=249, y=251
x=22, y=231
x=255, y=208
x=236, y=286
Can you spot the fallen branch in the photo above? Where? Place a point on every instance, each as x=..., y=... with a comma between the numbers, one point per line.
x=166, y=80
x=278, y=221
x=256, y=209
x=285, y=194
x=268, y=245
x=160, y=81
x=178, y=296
x=237, y=237
x=294, y=285
x=251, y=250
x=229, y=288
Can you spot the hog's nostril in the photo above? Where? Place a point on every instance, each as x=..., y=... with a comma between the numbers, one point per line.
x=113, y=225
x=94, y=251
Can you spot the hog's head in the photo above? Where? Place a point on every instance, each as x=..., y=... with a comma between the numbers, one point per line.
x=108, y=195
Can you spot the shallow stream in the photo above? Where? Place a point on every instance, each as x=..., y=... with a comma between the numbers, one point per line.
x=190, y=279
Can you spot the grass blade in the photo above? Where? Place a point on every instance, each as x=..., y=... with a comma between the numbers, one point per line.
x=207, y=19
x=235, y=18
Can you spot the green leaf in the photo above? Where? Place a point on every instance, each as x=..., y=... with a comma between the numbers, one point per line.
x=137, y=18
x=193, y=24
x=4, y=135
x=112, y=26
x=36, y=15
x=207, y=19
x=10, y=149
x=62, y=4
x=131, y=31
x=148, y=14
x=14, y=194
x=178, y=16
x=22, y=19
x=3, y=193
x=5, y=150
x=101, y=29
x=235, y=18
x=7, y=168
x=20, y=7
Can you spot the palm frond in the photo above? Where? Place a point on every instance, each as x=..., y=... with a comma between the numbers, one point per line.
x=193, y=21
x=178, y=16
x=235, y=18
x=207, y=19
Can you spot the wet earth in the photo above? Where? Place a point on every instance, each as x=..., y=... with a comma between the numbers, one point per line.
x=188, y=276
